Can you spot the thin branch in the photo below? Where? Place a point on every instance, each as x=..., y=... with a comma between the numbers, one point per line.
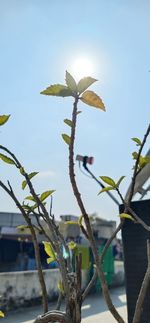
x=143, y=291
x=109, y=241
x=57, y=243
x=35, y=243
x=59, y=301
x=77, y=194
x=140, y=221
x=120, y=195
x=90, y=285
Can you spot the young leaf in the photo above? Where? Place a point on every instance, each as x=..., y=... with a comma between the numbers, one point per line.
x=66, y=138
x=30, y=198
x=26, y=207
x=22, y=171
x=2, y=314
x=33, y=207
x=72, y=222
x=80, y=220
x=4, y=119
x=31, y=175
x=71, y=82
x=91, y=98
x=147, y=159
x=49, y=260
x=68, y=122
x=57, y=90
x=135, y=155
x=72, y=245
x=60, y=286
x=126, y=216
x=108, y=180
x=7, y=159
x=84, y=83
x=137, y=140
x=49, y=250
x=119, y=181
x=106, y=189
x=44, y=195
x=142, y=161
x=22, y=227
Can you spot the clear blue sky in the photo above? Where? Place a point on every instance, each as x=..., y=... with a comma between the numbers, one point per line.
x=39, y=41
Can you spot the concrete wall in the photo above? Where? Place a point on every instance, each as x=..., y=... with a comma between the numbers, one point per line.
x=23, y=288
x=18, y=289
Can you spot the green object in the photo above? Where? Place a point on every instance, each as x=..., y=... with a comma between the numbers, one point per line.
x=108, y=267
x=84, y=251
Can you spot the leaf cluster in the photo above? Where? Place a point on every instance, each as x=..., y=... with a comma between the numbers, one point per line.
x=112, y=184
x=76, y=90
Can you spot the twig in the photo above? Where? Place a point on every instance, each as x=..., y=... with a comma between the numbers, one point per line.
x=109, y=241
x=59, y=301
x=143, y=291
x=35, y=243
x=140, y=221
x=77, y=194
x=57, y=243
x=90, y=285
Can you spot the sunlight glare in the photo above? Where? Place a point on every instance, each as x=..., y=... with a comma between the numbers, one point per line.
x=82, y=67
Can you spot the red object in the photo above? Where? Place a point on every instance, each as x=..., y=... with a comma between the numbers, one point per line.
x=89, y=160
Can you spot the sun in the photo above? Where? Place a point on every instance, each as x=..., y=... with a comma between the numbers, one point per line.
x=82, y=67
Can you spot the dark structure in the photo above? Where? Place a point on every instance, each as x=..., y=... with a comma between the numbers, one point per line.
x=135, y=258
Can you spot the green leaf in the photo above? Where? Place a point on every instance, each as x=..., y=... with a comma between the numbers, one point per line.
x=84, y=83
x=7, y=159
x=72, y=222
x=26, y=207
x=2, y=314
x=31, y=175
x=68, y=122
x=137, y=140
x=33, y=207
x=30, y=198
x=49, y=260
x=147, y=159
x=66, y=138
x=49, y=249
x=126, y=216
x=22, y=171
x=60, y=286
x=44, y=195
x=135, y=155
x=142, y=161
x=71, y=83
x=92, y=99
x=58, y=90
x=80, y=220
x=72, y=245
x=106, y=189
x=108, y=180
x=119, y=181
x=3, y=119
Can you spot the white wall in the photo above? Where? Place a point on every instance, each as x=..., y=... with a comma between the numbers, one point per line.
x=20, y=288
